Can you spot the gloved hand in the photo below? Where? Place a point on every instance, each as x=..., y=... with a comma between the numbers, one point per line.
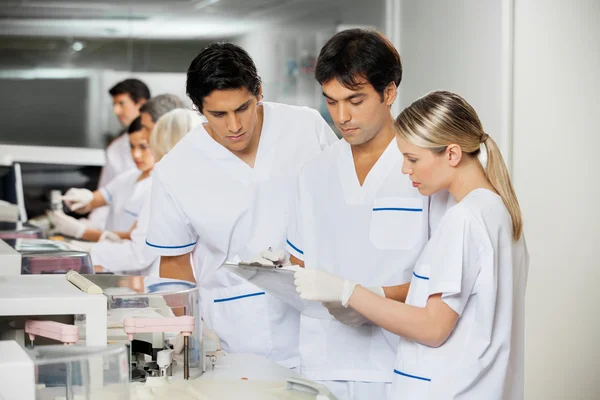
x=322, y=286
x=66, y=225
x=78, y=200
x=348, y=316
x=108, y=236
x=271, y=257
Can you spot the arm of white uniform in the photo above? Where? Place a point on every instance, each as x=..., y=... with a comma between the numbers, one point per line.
x=169, y=233
x=122, y=256
x=430, y=325
x=127, y=255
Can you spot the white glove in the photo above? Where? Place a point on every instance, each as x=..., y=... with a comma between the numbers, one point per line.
x=271, y=257
x=66, y=225
x=322, y=286
x=108, y=236
x=349, y=316
x=78, y=199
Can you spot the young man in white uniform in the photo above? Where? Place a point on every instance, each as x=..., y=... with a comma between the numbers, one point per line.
x=224, y=193
x=127, y=97
x=357, y=215
x=462, y=327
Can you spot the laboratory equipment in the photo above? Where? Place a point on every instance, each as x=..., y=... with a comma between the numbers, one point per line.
x=154, y=301
x=63, y=372
x=42, y=256
x=50, y=297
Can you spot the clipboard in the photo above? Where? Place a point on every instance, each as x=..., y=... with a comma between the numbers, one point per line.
x=279, y=282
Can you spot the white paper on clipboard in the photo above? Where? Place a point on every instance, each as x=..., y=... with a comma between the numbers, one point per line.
x=279, y=282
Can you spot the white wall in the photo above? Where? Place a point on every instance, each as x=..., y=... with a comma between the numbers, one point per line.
x=275, y=48
x=556, y=164
x=456, y=46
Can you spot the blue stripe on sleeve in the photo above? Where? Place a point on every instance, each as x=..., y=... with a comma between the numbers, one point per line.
x=425, y=278
x=170, y=247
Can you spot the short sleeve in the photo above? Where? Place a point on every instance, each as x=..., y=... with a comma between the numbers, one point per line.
x=454, y=262
x=324, y=132
x=294, y=243
x=169, y=231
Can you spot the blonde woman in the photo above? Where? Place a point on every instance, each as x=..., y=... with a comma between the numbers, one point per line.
x=462, y=324
x=133, y=256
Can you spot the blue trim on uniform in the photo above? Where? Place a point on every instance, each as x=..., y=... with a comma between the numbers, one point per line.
x=425, y=278
x=239, y=297
x=130, y=213
x=293, y=247
x=411, y=376
x=398, y=209
x=155, y=287
x=109, y=195
x=170, y=247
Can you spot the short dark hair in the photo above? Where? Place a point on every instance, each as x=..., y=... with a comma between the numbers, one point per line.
x=221, y=66
x=355, y=54
x=159, y=105
x=135, y=126
x=135, y=88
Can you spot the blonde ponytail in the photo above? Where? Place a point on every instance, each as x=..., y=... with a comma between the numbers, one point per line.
x=441, y=118
x=497, y=174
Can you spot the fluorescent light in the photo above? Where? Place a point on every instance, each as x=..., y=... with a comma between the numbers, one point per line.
x=204, y=3
x=77, y=46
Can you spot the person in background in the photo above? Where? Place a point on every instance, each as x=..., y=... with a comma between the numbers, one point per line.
x=124, y=195
x=159, y=105
x=132, y=256
x=224, y=193
x=357, y=215
x=462, y=326
x=127, y=98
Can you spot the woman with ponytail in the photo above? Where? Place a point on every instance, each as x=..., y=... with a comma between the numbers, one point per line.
x=462, y=326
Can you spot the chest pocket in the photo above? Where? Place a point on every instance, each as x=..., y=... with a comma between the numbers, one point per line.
x=396, y=223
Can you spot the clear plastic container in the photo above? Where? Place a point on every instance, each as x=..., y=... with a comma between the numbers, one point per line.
x=81, y=373
x=43, y=256
x=150, y=297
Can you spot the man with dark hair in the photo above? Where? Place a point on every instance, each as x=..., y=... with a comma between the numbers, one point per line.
x=158, y=106
x=224, y=192
x=127, y=97
x=356, y=215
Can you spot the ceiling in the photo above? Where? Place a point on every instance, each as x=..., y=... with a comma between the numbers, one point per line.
x=149, y=19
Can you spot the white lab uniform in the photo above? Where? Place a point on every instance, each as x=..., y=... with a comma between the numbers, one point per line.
x=206, y=199
x=129, y=257
x=125, y=196
x=481, y=272
x=118, y=160
x=371, y=234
